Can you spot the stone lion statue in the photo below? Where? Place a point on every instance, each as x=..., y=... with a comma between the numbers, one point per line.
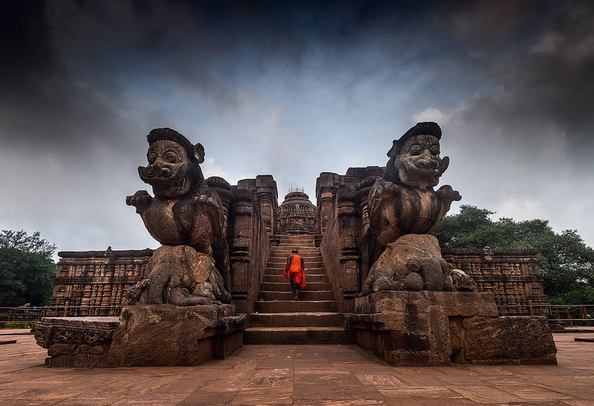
x=186, y=217
x=403, y=202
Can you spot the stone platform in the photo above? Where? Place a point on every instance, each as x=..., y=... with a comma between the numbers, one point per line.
x=429, y=328
x=298, y=375
x=144, y=335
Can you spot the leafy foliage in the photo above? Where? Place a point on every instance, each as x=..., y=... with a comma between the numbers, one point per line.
x=566, y=262
x=26, y=269
x=32, y=244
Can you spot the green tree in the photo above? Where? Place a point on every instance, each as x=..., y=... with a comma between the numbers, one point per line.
x=27, y=270
x=566, y=262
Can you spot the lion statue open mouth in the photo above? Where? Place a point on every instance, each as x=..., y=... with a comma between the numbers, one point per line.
x=403, y=202
x=186, y=217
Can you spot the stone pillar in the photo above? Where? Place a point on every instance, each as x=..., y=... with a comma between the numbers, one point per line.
x=361, y=197
x=350, y=257
x=240, y=247
x=267, y=196
x=326, y=186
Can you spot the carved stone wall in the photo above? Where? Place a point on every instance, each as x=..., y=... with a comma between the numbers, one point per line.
x=342, y=215
x=513, y=276
x=249, y=246
x=96, y=278
x=265, y=192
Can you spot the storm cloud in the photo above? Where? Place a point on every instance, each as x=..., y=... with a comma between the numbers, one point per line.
x=290, y=89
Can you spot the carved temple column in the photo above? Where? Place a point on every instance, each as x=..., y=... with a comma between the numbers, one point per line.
x=267, y=196
x=347, y=214
x=326, y=186
x=362, y=196
x=242, y=212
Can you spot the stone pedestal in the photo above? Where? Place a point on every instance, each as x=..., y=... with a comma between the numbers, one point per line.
x=436, y=328
x=144, y=335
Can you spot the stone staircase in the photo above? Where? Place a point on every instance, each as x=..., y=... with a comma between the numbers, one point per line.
x=280, y=319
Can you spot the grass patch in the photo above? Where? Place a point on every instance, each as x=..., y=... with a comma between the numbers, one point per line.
x=18, y=325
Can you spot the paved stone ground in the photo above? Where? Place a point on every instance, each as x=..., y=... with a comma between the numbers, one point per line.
x=297, y=375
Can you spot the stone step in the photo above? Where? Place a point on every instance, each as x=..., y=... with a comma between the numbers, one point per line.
x=286, y=286
x=287, y=248
x=297, y=335
x=316, y=259
x=290, y=306
x=314, y=273
x=305, y=242
x=310, y=278
x=302, y=251
x=304, y=295
x=308, y=252
x=286, y=251
x=295, y=237
x=319, y=268
x=315, y=319
x=281, y=264
x=299, y=245
x=275, y=275
x=306, y=260
x=280, y=268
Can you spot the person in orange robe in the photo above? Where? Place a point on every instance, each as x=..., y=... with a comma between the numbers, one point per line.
x=295, y=272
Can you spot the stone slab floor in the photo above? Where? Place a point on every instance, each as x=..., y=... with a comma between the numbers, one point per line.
x=297, y=375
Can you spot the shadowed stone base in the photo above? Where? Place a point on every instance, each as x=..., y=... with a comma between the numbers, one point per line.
x=435, y=328
x=144, y=335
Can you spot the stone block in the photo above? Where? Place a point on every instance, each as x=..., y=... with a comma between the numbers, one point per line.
x=145, y=335
x=435, y=328
x=168, y=335
x=464, y=304
x=508, y=340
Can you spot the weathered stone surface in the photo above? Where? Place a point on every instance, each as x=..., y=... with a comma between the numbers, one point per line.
x=181, y=276
x=508, y=340
x=76, y=341
x=171, y=335
x=435, y=328
x=463, y=304
x=74, y=330
x=145, y=335
x=414, y=262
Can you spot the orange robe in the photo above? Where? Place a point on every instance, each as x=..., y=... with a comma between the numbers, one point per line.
x=294, y=270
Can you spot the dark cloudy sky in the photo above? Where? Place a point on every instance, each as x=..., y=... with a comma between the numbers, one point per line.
x=290, y=89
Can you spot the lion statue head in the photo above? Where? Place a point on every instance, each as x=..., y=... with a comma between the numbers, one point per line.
x=414, y=157
x=173, y=164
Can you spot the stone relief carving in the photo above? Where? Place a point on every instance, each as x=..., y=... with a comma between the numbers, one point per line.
x=414, y=262
x=57, y=331
x=186, y=217
x=403, y=209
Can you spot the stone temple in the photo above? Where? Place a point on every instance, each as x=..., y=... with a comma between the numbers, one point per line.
x=375, y=276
